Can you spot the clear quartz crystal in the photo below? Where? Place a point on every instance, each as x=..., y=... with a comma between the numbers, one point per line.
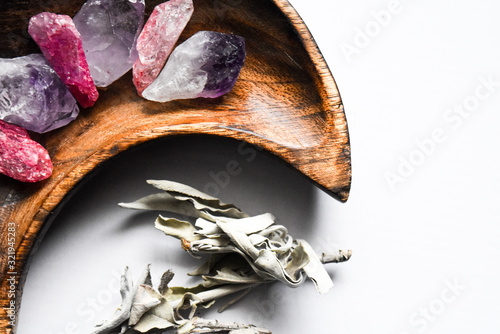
x=33, y=96
x=109, y=30
x=205, y=65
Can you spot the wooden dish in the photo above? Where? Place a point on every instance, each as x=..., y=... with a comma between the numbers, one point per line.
x=284, y=101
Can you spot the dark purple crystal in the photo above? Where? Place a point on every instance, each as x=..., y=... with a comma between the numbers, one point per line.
x=205, y=65
x=227, y=55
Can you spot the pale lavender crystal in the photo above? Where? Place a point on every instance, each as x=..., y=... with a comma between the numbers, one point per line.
x=33, y=96
x=205, y=65
x=109, y=30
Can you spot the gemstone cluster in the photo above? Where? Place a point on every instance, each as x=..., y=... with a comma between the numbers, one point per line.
x=102, y=42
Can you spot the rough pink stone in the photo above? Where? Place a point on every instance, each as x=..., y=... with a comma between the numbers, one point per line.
x=61, y=45
x=158, y=38
x=21, y=157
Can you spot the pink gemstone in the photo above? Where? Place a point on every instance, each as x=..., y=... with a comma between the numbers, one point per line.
x=21, y=157
x=158, y=38
x=61, y=45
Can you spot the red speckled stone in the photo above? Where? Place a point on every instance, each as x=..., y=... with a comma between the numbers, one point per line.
x=22, y=158
x=61, y=44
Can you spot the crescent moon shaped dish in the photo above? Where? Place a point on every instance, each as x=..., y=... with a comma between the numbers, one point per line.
x=284, y=101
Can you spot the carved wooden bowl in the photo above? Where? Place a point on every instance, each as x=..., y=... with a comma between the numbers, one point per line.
x=284, y=101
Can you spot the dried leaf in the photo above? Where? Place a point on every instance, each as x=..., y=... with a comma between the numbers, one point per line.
x=298, y=260
x=200, y=200
x=151, y=321
x=315, y=270
x=205, y=268
x=159, y=317
x=165, y=280
x=177, y=228
x=247, y=225
x=128, y=292
x=144, y=300
x=207, y=228
x=228, y=276
x=204, y=294
x=199, y=326
x=234, y=300
x=163, y=202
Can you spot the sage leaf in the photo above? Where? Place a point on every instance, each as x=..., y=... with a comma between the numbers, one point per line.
x=315, y=270
x=177, y=228
x=199, y=326
x=128, y=292
x=144, y=300
x=185, y=200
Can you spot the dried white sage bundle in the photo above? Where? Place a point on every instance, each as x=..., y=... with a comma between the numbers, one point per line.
x=244, y=250
x=146, y=310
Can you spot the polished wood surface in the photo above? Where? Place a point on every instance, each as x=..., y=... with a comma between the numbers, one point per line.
x=285, y=101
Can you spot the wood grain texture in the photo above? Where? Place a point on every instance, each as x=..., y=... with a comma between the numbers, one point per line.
x=285, y=101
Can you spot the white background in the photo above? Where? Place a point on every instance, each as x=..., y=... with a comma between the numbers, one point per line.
x=425, y=245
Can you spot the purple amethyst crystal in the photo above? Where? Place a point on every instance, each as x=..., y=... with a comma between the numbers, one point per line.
x=33, y=96
x=109, y=30
x=205, y=65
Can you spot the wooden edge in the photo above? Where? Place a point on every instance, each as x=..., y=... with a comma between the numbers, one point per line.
x=332, y=102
